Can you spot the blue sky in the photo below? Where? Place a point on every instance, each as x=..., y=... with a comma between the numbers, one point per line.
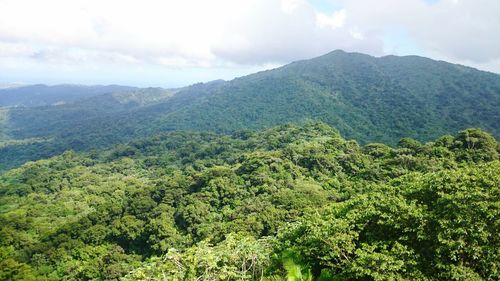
x=172, y=43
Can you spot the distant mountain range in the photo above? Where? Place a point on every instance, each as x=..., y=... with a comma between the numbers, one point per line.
x=366, y=98
x=40, y=95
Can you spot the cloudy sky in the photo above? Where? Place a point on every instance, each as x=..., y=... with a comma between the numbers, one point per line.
x=173, y=43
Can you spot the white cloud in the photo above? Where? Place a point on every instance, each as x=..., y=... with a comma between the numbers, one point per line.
x=289, y=6
x=467, y=30
x=188, y=32
x=356, y=34
x=220, y=33
x=336, y=20
x=8, y=49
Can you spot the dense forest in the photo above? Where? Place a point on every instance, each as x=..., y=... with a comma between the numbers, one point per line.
x=287, y=203
x=366, y=98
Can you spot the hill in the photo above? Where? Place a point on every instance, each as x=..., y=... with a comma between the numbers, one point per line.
x=367, y=98
x=40, y=95
x=38, y=132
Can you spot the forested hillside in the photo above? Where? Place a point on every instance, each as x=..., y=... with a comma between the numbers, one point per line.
x=287, y=203
x=366, y=98
x=44, y=131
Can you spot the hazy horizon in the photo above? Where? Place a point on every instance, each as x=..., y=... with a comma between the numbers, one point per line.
x=177, y=43
x=8, y=84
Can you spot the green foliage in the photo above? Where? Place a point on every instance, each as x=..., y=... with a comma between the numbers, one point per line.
x=236, y=258
x=475, y=145
x=287, y=203
x=366, y=98
x=295, y=270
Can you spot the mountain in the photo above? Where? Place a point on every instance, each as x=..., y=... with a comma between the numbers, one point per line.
x=366, y=98
x=48, y=120
x=40, y=95
x=28, y=133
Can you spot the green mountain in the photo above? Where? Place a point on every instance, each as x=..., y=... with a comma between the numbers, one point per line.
x=287, y=203
x=39, y=132
x=40, y=95
x=366, y=98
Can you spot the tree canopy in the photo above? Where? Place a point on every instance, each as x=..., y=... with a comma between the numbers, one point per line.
x=287, y=203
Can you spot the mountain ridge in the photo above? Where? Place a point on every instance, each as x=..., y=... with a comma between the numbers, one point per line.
x=42, y=95
x=366, y=98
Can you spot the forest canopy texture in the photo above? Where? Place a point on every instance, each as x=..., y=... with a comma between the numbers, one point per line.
x=286, y=203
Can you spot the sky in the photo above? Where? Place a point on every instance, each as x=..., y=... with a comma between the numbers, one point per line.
x=171, y=43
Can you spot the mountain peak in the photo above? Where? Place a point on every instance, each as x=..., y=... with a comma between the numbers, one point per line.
x=343, y=53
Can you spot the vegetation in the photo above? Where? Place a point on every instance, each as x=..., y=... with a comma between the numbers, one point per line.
x=288, y=203
x=366, y=98
x=41, y=95
x=58, y=128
